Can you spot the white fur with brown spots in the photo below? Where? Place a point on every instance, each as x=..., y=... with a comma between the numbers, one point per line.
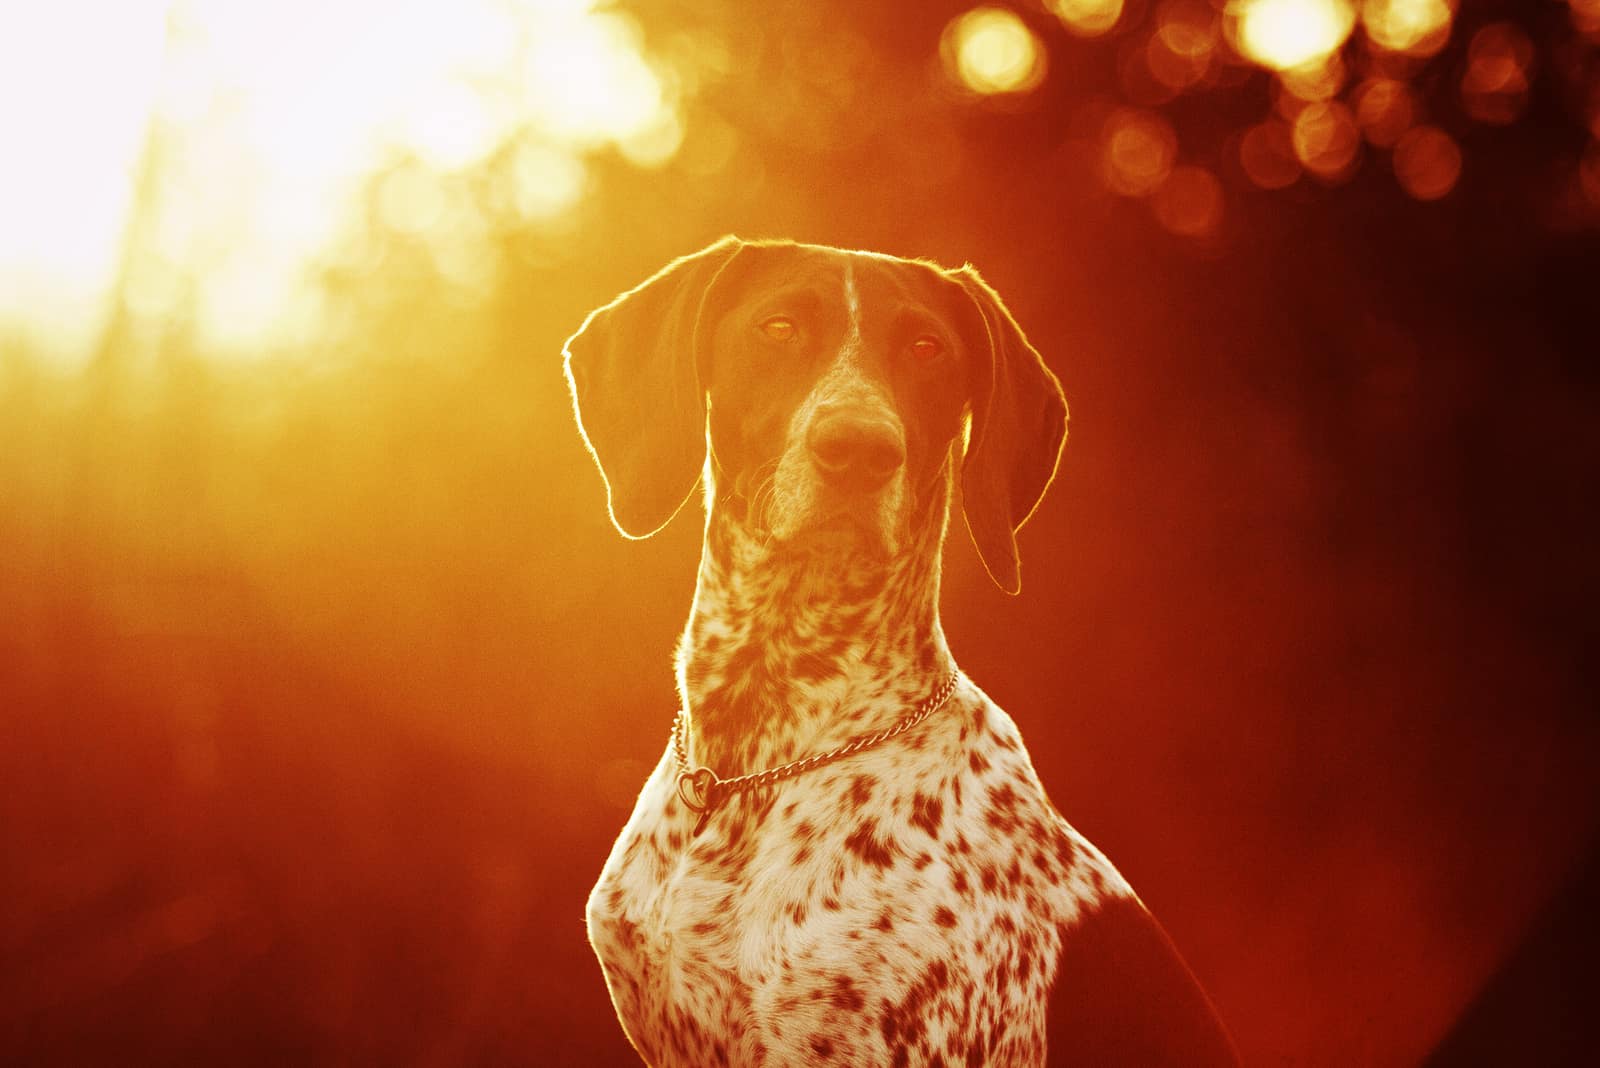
x=914, y=902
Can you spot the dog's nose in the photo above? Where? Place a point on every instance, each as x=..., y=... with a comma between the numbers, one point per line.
x=855, y=451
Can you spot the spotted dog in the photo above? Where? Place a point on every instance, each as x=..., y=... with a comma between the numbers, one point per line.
x=918, y=901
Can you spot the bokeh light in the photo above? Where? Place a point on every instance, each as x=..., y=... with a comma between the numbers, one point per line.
x=1282, y=34
x=990, y=51
x=1267, y=155
x=1412, y=27
x=1385, y=108
x=1180, y=52
x=1585, y=16
x=1326, y=140
x=1087, y=18
x=1427, y=163
x=1190, y=202
x=1312, y=83
x=1494, y=87
x=1138, y=149
x=546, y=182
x=1589, y=173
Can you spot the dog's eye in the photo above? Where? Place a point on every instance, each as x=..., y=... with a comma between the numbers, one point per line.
x=926, y=347
x=780, y=328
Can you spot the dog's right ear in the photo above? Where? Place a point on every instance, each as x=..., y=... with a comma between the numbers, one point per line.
x=637, y=392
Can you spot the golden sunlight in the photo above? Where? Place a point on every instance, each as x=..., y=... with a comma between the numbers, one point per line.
x=71, y=145
x=197, y=157
x=1282, y=34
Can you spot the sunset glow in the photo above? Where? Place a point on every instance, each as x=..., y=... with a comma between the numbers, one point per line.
x=256, y=127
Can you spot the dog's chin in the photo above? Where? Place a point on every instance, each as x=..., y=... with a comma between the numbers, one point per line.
x=841, y=533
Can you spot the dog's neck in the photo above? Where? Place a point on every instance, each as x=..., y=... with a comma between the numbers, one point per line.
x=792, y=651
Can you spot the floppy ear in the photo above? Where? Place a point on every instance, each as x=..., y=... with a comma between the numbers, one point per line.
x=1019, y=424
x=637, y=393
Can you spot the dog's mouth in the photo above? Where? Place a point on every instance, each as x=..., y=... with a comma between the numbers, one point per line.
x=852, y=528
x=816, y=519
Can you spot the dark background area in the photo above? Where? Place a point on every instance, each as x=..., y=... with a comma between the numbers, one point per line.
x=325, y=688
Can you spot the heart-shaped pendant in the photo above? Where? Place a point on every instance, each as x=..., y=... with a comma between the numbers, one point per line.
x=696, y=788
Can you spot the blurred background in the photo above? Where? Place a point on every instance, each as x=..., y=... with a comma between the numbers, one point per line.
x=325, y=684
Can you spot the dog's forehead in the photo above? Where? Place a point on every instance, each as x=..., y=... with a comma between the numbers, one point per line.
x=862, y=280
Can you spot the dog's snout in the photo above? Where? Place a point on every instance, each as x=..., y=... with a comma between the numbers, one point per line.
x=854, y=450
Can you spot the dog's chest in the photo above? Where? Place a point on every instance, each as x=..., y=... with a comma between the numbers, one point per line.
x=873, y=906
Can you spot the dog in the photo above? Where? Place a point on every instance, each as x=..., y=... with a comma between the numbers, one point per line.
x=844, y=855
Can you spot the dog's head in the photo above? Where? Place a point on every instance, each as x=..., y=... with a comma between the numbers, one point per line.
x=827, y=388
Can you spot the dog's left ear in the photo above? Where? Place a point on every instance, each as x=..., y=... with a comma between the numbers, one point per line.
x=1019, y=425
x=637, y=393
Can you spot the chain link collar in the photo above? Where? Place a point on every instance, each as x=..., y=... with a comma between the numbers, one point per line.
x=702, y=790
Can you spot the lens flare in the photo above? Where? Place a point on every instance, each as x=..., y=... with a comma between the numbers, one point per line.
x=1282, y=34
x=991, y=52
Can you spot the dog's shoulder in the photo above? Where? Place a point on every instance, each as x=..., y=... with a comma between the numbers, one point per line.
x=1124, y=996
x=1120, y=992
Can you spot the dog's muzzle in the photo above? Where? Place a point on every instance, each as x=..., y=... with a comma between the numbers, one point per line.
x=855, y=450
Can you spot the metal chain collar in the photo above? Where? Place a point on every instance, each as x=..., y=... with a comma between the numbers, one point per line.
x=702, y=790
